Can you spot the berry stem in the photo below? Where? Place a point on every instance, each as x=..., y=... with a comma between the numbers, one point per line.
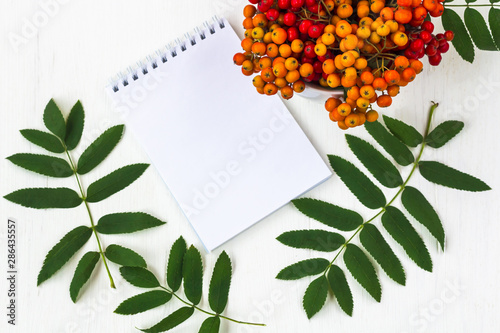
x=82, y=193
x=207, y=312
x=402, y=187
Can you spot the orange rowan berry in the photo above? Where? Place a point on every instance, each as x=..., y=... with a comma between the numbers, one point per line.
x=279, y=70
x=320, y=49
x=367, y=91
x=393, y=25
x=392, y=77
x=330, y=28
x=338, y=62
x=239, y=58
x=387, y=13
x=403, y=16
x=285, y=50
x=352, y=120
x=246, y=72
x=393, y=90
x=248, y=23
x=401, y=62
x=347, y=59
x=350, y=73
x=331, y=103
x=292, y=76
x=328, y=66
x=328, y=38
x=367, y=77
x=430, y=5
x=258, y=33
x=336, y=116
x=259, y=48
x=362, y=118
x=272, y=50
x=379, y=84
x=377, y=6
x=287, y=92
x=258, y=82
x=306, y=69
x=362, y=102
x=248, y=33
x=408, y=74
x=278, y=60
x=333, y=80
x=419, y=13
x=348, y=82
x=363, y=11
x=343, y=28
x=383, y=30
x=374, y=38
x=270, y=89
x=249, y=11
x=247, y=65
x=265, y=62
x=363, y=32
x=371, y=116
x=384, y=101
x=405, y=3
x=246, y=44
x=260, y=20
x=360, y=63
x=279, y=36
x=268, y=38
x=268, y=75
x=299, y=86
x=344, y=10
x=280, y=82
x=400, y=39
x=342, y=125
x=260, y=90
x=291, y=64
x=344, y=109
x=416, y=65
x=350, y=42
x=365, y=22
x=297, y=46
x=353, y=93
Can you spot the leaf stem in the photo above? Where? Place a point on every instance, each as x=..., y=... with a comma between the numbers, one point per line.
x=469, y=5
x=403, y=186
x=111, y=281
x=206, y=312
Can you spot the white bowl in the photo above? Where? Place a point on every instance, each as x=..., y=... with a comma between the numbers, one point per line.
x=316, y=92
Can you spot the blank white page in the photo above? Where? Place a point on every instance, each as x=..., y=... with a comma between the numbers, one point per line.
x=228, y=155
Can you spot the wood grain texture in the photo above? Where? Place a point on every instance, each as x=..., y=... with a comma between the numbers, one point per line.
x=85, y=42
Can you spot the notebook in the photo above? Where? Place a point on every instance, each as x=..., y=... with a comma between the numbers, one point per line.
x=228, y=155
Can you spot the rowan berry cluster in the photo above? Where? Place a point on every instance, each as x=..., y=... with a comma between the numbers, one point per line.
x=368, y=47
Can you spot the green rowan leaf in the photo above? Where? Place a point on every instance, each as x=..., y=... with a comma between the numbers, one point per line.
x=444, y=133
x=220, y=283
x=43, y=139
x=43, y=164
x=340, y=288
x=139, y=277
x=379, y=166
x=210, y=325
x=398, y=226
x=115, y=182
x=99, y=149
x=192, y=272
x=362, y=270
x=399, y=151
x=373, y=241
x=303, y=268
x=42, y=198
x=404, y=132
x=444, y=175
x=143, y=302
x=478, y=30
x=462, y=41
x=54, y=120
x=175, y=263
x=418, y=206
x=74, y=126
x=328, y=214
x=124, y=257
x=173, y=320
x=494, y=21
x=59, y=255
x=358, y=183
x=123, y=223
x=82, y=273
x=315, y=296
x=319, y=240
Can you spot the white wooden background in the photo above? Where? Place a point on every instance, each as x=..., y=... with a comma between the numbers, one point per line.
x=71, y=56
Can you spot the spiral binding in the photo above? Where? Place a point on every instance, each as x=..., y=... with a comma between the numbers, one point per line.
x=171, y=50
